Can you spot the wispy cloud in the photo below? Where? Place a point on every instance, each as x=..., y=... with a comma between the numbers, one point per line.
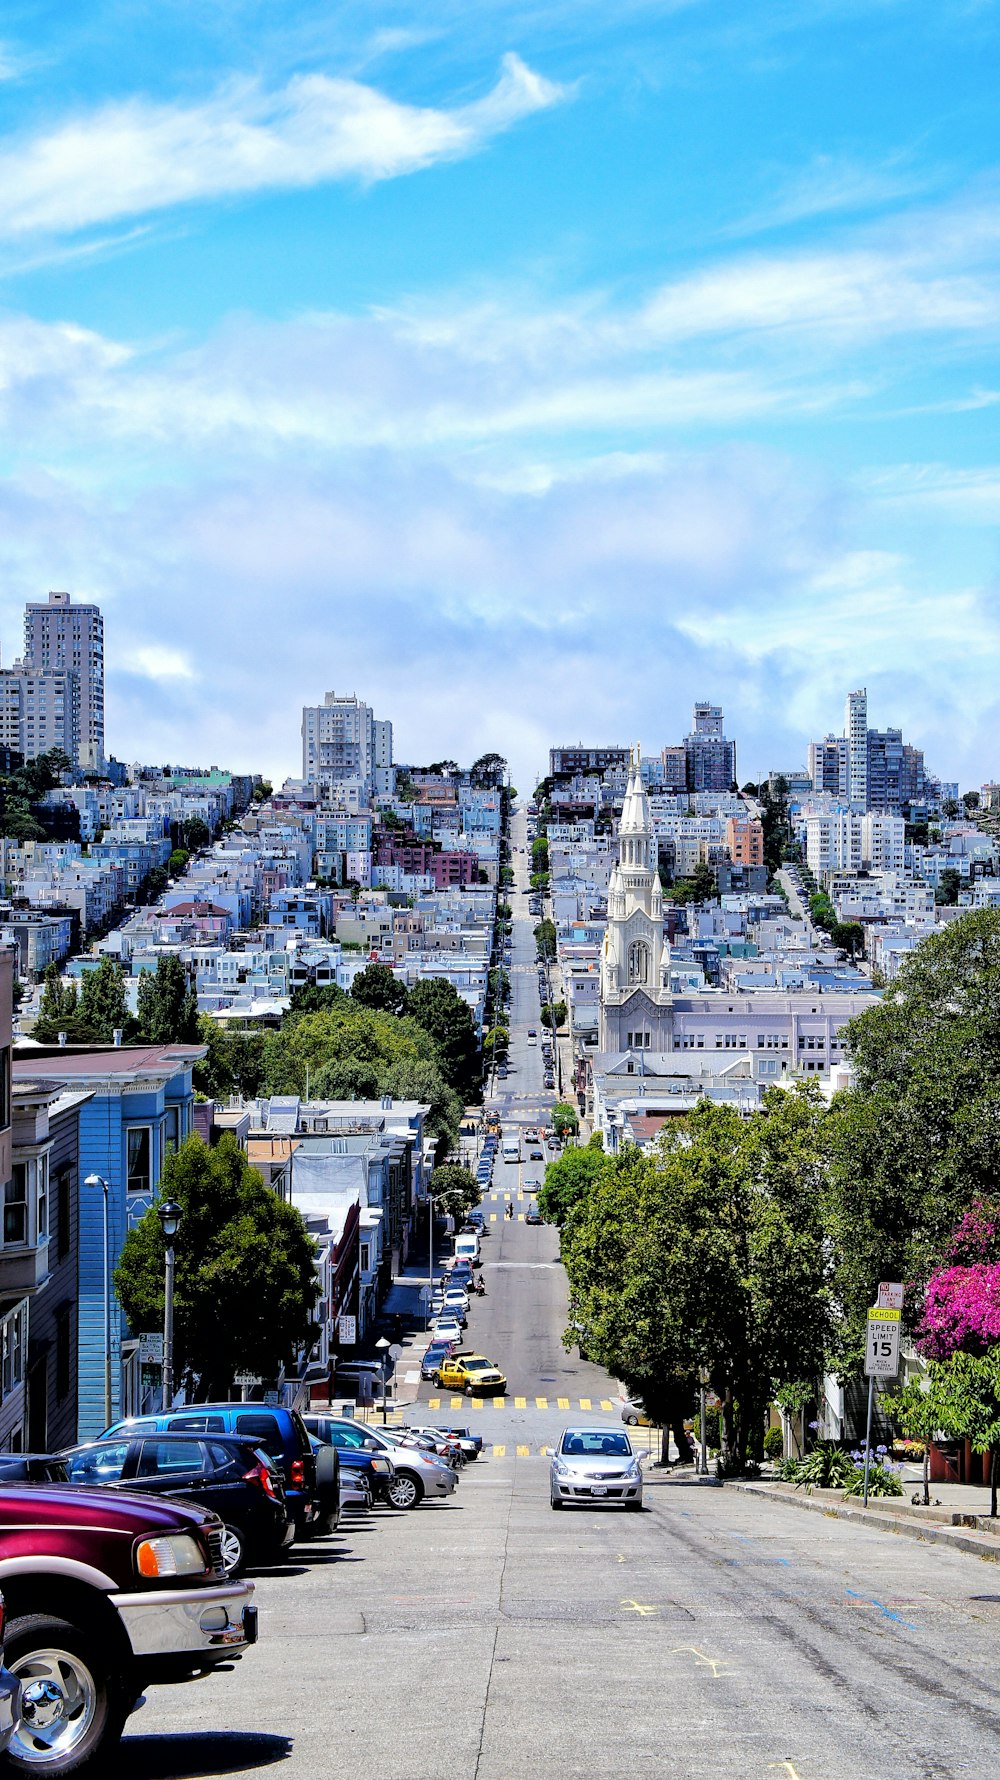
x=836, y=186
x=134, y=158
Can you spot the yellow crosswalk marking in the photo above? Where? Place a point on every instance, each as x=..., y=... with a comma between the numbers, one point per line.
x=477, y=1402
x=433, y=1402
x=562, y=1402
x=499, y=1452
x=493, y=1217
x=520, y=1402
x=541, y=1402
x=523, y=1452
x=499, y=1402
x=456, y=1403
x=584, y=1402
x=520, y=1217
x=605, y=1403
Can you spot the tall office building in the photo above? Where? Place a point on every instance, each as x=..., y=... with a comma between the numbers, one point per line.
x=39, y=712
x=856, y=733
x=63, y=638
x=346, y=751
x=711, y=759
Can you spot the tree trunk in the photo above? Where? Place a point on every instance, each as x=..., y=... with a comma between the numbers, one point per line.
x=927, y=1473
x=994, y=1470
x=729, y=1433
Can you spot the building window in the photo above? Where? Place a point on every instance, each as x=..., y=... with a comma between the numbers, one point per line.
x=365, y=1257
x=15, y=1205
x=139, y=1147
x=62, y=1213
x=12, y=1359
x=43, y=1199
x=638, y=962
x=171, y=1130
x=4, y=1087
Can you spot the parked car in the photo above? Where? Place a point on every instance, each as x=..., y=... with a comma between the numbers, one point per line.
x=414, y=1474
x=10, y=1694
x=471, y=1444
x=634, y=1414
x=595, y=1465
x=353, y=1489
x=107, y=1593
x=356, y=1457
x=533, y=1215
x=437, y=1352
x=280, y=1432
x=239, y=1482
x=535, y=1154
x=472, y=1374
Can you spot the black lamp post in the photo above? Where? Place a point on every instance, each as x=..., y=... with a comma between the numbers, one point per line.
x=170, y=1214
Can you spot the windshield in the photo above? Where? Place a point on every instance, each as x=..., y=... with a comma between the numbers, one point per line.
x=478, y=1365
x=596, y=1441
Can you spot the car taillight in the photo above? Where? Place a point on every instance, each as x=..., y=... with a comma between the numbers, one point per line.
x=261, y=1476
x=298, y=1474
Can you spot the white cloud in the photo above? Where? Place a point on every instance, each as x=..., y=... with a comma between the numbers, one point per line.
x=155, y=661
x=833, y=185
x=135, y=157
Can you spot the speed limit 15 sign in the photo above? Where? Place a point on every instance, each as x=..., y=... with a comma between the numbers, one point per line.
x=882, y=1349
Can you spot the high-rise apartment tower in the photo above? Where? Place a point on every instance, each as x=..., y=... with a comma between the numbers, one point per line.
x=63, y=638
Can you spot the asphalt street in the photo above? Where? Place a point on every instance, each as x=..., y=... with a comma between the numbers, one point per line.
x=486, y=1637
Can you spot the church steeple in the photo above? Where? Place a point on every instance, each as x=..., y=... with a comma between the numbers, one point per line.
x=634, y=954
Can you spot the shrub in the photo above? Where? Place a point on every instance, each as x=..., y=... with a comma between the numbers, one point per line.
x=827, y=1467
x=883, y=1480
x=774, y=1443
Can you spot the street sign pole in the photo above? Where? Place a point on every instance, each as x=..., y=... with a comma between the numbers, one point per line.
x=868, y=1431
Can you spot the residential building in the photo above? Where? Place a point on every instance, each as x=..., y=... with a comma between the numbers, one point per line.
x=64, y=638
x=566, y=762
x=829, y=765
x=345, y=746
x=856, y=735
x=46, y=1185
x=745, y=840
x=40, y=711
x=137, y=1107
x=711, y=759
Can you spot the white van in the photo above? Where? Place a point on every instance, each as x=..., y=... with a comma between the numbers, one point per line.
x=467, y=1249
x=510, y=1149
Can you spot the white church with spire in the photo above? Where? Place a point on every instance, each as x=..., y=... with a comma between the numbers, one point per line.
x=635, y=1004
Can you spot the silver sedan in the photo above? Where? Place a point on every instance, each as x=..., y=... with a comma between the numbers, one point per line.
x=596, y=1466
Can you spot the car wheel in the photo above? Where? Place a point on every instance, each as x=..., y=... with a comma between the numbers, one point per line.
x=554, y=1502
x=468, y=1388
x=234, y=1550
x=631, y=1421
x=73, y=1708
x=635, y=1507
x=405, y=1490
x=436, y=1379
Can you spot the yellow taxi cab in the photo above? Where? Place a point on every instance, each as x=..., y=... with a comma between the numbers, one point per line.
x=472, y=1374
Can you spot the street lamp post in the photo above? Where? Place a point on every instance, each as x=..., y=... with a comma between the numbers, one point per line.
x=97, y=1180
x=382, y=1349
x=169, y=1214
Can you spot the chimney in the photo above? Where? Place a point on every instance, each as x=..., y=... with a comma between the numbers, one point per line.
x=117, y=1036
x=62, y=1038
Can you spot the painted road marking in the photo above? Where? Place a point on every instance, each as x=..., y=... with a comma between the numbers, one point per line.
x=433, y=1402
x=605, y=1404
x=642, y=1608
x=520, y=1402
x=562, y=1402
x=499, y=1402
x=493, y=1217
x=456, y=1403
x=523, y=1452
x=499, y=1452
x=477, y=1402
x=715, y=1663
x=584, y=1402
x=541, y=1402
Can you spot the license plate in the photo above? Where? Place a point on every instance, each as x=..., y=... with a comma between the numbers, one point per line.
x=599, y=1489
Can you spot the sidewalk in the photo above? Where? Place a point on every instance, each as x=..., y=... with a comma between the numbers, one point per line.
x=958, y=1516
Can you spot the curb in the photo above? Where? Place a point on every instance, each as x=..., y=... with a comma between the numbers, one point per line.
x=984, y=1546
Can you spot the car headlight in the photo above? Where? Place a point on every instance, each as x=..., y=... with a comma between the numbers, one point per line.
x=634, y=1470
x=559, y=1468
x=381, y=1465
x=171, y=1554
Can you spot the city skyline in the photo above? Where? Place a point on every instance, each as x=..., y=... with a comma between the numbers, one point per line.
x=410, y=359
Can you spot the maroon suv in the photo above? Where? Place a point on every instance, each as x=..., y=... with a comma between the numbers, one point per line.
x=106, y=1594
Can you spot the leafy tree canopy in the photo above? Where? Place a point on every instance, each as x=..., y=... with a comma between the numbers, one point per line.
x=167, y=1004
x=245, y=1281
x=437, y=1006
x=569, y=1179
x=454, y=1189
x=376, y=986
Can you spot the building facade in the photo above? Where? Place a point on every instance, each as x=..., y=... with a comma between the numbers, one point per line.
x=67, y=639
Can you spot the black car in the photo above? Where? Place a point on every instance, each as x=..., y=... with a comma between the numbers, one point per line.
x=32, y=1467
x=533, y=1215
x=238, y=1482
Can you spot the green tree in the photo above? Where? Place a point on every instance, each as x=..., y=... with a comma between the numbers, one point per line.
x=246, y=1271
x=496, y=1041
x=949, y=886
x=849, y=936
x=922, y=1408
x=701, y=886
x=103, y=1006
x=565, y=1122
x=455, y=1190
x=708, y=1253
x=313, y=998
x=378, y=987
x=556, y=1013
x=540, y=853
x=196, y=833
x=915, y=1141
x=570, y=1178
x=58, y=1011
x=177, y=861
x=488, y=770
x=545, y=939
x=167, y=1004
x=437, y=1006
x=971, y=800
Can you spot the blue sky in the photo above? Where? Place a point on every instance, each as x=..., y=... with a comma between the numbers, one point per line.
x=531, y=370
